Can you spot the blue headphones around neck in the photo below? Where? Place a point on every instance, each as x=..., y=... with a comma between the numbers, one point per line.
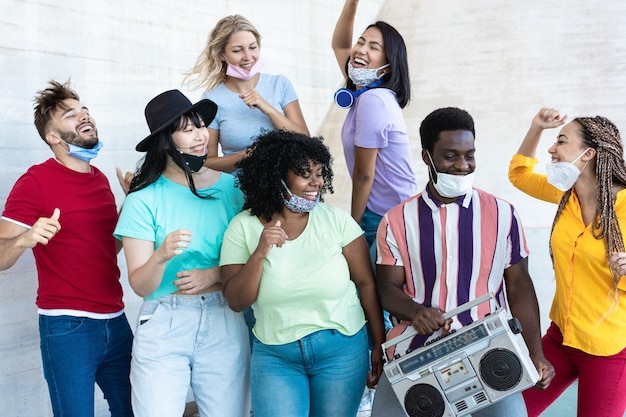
x=344, y=97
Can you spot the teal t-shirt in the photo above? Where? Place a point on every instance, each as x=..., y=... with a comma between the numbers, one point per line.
x=164, y=206
x=305, y=286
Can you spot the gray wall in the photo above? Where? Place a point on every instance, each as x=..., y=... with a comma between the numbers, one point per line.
x=501, y=61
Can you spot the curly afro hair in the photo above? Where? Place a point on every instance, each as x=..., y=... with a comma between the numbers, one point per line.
x=270, y=158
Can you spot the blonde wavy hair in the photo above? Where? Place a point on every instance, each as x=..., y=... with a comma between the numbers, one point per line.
x=210, y=68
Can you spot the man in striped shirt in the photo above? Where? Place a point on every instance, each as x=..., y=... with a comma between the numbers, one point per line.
x=450, y=244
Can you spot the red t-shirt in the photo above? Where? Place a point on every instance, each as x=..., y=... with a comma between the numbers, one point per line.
x=78, y=268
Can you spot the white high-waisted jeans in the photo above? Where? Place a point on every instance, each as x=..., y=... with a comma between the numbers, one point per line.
x=190, y=339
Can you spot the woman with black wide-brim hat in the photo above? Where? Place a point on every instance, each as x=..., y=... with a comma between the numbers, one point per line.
x=172, y=225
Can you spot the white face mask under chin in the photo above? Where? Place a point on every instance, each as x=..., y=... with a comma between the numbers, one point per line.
x=563, y=175
x=451, y=186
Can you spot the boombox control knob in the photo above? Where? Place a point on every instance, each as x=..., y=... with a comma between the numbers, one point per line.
x=515, y=325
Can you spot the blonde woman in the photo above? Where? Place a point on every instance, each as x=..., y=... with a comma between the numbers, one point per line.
x=249, y=102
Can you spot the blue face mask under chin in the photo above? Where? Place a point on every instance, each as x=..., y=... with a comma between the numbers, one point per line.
x=83, y=154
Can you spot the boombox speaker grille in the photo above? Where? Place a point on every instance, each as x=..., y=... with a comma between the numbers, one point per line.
x=501, y=369
x=423, y=400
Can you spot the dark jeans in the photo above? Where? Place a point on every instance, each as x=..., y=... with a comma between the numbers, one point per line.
x=78, y=352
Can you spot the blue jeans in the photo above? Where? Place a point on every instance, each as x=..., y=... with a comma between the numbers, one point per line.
x=369, y=224
x=386, y=404
x=320, y=375
x=190, y=339
x=78, y=352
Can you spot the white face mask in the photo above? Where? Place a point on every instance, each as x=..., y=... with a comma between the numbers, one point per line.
x=364, y=76
x=563, y=175
x=451, y=186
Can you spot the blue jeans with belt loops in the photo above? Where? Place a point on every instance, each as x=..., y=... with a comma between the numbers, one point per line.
x=77, y=353
x=320, y=375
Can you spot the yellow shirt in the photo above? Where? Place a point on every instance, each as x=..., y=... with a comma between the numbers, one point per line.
x=583, y=278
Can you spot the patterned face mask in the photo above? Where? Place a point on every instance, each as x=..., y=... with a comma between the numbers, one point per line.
x=299, y=204
x=364, y=76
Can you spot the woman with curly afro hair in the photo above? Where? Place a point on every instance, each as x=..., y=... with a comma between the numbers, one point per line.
x=304, y=268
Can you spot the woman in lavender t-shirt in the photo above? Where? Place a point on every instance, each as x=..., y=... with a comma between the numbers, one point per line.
x=374, y=135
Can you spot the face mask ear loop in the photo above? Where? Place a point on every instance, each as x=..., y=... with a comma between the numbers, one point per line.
x=580, y=156
x=432, y=164
x=59, y=144
x=286, y=188
x=382, y=74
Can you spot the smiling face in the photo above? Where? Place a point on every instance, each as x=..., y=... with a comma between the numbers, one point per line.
x=72, y=123
x=242, y=50
x=453, y=153
x=190, y=139
x=569, y=145
x=308, y=185
x=369, y=50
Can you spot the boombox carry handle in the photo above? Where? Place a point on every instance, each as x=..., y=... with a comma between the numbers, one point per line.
x=447, y=315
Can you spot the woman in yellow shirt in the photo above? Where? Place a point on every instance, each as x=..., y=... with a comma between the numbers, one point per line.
x=587, y=336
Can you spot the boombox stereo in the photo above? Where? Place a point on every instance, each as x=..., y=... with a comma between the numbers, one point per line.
x=464, y=371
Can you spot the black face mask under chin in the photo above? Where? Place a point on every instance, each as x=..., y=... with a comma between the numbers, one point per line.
x=195, y=163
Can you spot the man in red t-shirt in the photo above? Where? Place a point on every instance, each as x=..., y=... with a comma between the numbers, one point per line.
x=65, y=211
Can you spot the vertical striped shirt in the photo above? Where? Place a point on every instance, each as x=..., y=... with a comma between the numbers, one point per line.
x=451, y=253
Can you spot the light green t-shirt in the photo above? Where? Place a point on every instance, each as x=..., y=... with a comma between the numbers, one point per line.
x=305, y=286
x=164, y=206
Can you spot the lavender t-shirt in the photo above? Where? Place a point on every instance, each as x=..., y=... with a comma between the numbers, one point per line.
x=375, y=121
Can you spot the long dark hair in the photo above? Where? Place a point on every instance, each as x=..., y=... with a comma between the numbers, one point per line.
x=268, y=161
x=395, y=49
x=153, y=164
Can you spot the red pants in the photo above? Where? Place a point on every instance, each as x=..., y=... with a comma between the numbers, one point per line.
x=601, y=379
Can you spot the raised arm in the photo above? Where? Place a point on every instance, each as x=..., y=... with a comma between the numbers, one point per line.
x=547, y=118
x=342, y=35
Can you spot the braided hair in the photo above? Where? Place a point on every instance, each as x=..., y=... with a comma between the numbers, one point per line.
x=602, y=135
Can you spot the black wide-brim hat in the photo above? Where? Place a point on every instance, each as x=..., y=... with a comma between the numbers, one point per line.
x=167, y=107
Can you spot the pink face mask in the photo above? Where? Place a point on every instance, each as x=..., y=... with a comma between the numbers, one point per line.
x=242, y=74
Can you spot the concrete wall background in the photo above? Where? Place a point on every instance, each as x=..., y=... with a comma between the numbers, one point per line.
x=501, y=61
